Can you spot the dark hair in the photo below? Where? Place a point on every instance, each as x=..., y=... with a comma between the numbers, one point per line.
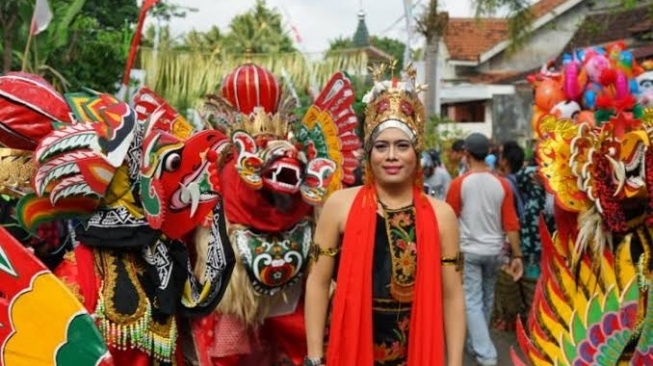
x=458, y=145
x=477, y=157
x=514, y=155
x=435, y=157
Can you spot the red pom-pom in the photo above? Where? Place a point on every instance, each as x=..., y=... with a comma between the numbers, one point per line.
x=604, y=102
x=212, y=155
x=608, y=77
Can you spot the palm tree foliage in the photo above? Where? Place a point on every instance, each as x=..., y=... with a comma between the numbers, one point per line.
x=184, y=77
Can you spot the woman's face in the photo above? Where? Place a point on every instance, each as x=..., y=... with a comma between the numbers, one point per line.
x=393, y=158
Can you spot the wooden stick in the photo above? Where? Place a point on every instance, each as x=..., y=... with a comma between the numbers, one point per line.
x=29, y=43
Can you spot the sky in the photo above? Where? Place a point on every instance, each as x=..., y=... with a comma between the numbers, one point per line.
x=317, y=21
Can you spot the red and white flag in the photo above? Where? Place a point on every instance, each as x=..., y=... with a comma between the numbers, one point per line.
x=41, y=18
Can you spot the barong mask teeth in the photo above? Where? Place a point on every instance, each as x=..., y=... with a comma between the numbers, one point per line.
x=265, y=156
x=394, y=104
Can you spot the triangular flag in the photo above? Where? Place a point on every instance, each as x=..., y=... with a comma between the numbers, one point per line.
x=41, y=18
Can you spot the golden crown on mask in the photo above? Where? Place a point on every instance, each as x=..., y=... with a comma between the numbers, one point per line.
x=16, y=170
x=394, y=100
x=259, y=122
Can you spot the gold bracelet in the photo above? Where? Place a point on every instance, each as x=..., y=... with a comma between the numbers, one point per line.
x=457, y=261
x=316, y=251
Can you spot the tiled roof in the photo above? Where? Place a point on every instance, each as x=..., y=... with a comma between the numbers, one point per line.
x=609, y=26
x=468, y=38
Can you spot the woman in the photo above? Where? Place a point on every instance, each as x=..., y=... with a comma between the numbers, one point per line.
x=398, y=297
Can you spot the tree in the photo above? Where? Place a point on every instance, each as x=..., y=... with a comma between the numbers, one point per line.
x=86, y=45
x=12, y=15
x=392, y=47
x=520, y=16
x=388, y=45
x=211, y=41
x=431, y=25
x=259, y=30
x=111, y=14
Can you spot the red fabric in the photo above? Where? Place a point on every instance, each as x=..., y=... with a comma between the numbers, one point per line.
x=286, y=335
x=81, y=271
x=89, y=284
x=248, y=207
x=131, y=357
x=350, y=341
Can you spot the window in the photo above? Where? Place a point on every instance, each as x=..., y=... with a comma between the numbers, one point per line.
x=473, y=112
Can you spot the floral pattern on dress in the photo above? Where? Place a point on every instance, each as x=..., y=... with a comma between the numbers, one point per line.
x=391, y=343
x=392, y=306
x=401, y=235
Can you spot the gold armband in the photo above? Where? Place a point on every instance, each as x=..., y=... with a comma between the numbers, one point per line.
x=316, y=251
x=457, y=261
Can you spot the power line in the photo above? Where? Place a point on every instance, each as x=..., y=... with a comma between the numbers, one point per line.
x=394, y=24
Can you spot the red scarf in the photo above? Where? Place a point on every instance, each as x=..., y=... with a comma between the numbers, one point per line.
x=350, y=340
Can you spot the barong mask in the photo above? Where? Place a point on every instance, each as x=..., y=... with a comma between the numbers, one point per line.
x=593, y=301
x=276, y=152
x=110, y=157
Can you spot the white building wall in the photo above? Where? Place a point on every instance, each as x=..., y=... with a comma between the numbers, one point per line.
x=546, y=43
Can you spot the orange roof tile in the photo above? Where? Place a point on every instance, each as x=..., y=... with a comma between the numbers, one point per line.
x=468, y=38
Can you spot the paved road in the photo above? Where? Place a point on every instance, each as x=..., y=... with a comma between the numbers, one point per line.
x=503, y=341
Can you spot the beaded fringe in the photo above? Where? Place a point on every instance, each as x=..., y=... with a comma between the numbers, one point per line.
x=137, y=334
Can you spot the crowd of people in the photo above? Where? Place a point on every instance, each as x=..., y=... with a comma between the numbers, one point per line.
x=499, y=228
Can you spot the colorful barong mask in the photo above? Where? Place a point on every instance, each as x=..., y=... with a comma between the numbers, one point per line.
x=592, y=303
x=600, y=171
x=275, y=152
x=179, y=180
x=111, y=157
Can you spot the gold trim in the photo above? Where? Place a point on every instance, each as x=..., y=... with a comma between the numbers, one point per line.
x=137, y=330
x=316, y=251
x=458, y=261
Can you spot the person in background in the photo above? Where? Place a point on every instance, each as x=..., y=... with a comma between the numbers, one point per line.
x=436, y=176
x=456, y=157
x=486, y=213
x=509, y=297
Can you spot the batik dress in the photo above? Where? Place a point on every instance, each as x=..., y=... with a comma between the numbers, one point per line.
x=393, y=279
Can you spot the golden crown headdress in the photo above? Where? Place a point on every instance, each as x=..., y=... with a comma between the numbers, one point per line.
x=16, y=171
x=394, y=103
x=260, y=122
